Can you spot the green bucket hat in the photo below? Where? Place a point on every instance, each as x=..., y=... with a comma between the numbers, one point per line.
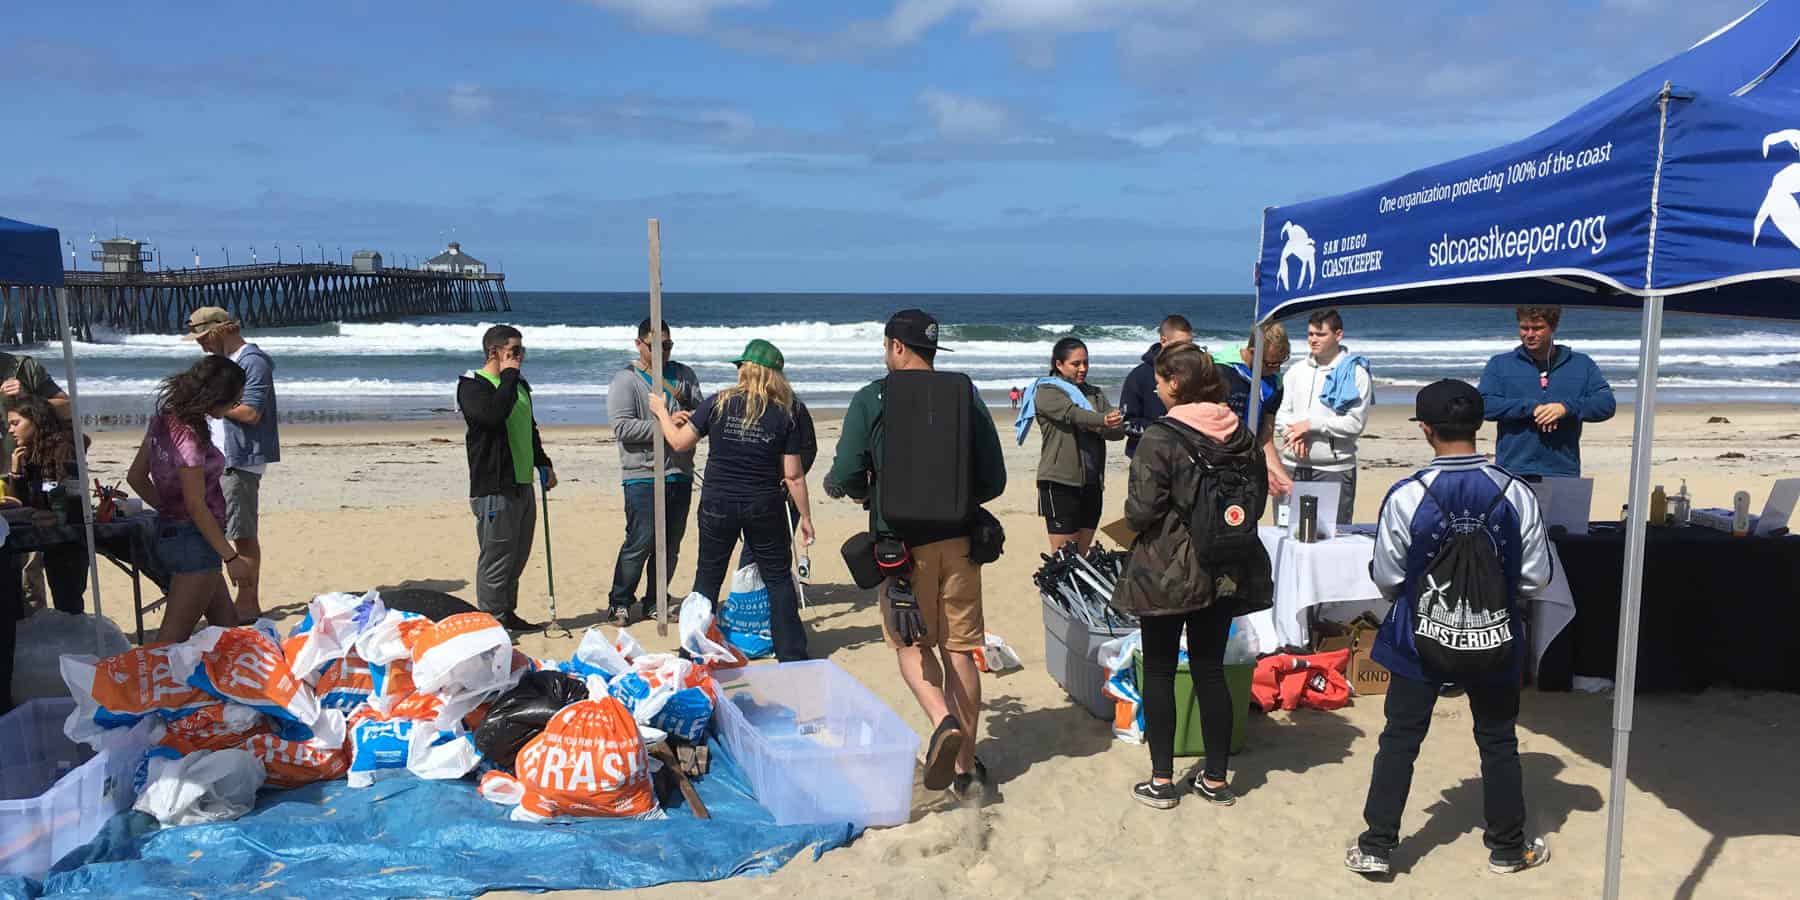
x=763, y=354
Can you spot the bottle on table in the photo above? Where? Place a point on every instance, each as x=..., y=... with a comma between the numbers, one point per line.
x=1659, y=506
x=1740, y=514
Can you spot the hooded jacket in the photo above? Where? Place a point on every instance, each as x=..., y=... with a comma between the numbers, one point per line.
x=1513, y=386
x=1163, y=576
x=1331, y=436
x=485, y=408
x=1138, y=401
x=628, y=410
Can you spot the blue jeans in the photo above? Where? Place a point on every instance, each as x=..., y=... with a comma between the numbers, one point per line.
x=183, y=550
x=639, y=549
x=763, y=523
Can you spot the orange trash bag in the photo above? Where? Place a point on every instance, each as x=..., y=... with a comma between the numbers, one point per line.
x=589, y=761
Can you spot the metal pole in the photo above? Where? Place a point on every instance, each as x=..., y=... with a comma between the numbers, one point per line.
x=1631, y=590
x=660, y=505
x=81, y=463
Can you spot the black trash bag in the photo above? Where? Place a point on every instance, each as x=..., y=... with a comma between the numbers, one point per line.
x=434, y=605
x=521, y=713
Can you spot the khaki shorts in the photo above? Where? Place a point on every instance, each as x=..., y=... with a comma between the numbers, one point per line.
x=948, y=588
x=241, y=490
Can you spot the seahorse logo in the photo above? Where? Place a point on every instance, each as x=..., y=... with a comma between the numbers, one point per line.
x=1779, y=206
x=1301, y=249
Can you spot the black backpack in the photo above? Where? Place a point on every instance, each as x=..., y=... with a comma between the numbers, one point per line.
x=927, y=461
x=1462, y=609
x=1229, y=496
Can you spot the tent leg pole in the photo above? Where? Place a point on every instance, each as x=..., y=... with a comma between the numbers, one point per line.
x=660, y=504
x=1632, y=587
x=81, y=463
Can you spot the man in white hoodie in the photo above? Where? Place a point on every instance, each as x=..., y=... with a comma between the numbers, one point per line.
x=1324, y=408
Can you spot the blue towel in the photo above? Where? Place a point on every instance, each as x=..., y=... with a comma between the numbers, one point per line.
x=1028, y=405
x=1340, y=391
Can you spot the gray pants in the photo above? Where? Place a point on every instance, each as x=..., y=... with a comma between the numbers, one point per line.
x=1346, y=488
x=504, y=526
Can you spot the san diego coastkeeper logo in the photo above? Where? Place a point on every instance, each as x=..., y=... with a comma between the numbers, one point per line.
x=1300, y=248
x=1779, y=206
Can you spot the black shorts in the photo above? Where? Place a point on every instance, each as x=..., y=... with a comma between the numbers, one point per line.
x=1067, y=510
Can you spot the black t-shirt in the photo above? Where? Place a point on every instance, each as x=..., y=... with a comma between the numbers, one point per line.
x=1237, y=394
x=744, y=459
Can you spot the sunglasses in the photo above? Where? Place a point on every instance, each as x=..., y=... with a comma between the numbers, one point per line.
x=517, y=352
x=667, y=345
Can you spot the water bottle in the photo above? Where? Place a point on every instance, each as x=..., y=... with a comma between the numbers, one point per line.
x=804, y=568
x=1740, y=514
x=1308, y=530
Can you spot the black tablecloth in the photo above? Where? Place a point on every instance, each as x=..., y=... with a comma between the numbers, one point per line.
x=125, y=541
x=1716, y=609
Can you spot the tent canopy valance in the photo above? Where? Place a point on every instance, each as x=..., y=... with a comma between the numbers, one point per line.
x=1709, y=140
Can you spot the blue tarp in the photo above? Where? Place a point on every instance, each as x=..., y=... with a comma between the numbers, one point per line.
x=407, y=837
x=1569, y=209
x=30, y=254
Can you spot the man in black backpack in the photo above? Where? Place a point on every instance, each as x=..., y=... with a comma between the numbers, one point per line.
x=936, y=629
x=1461, y=551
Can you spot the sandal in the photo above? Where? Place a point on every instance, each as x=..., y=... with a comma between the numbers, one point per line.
x=941, y=753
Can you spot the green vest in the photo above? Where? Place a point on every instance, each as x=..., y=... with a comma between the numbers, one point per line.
x=518, y=431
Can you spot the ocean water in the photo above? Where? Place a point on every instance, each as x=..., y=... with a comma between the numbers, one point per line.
x=576, y=341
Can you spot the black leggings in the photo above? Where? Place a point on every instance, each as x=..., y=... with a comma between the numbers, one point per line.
x=1207, y=630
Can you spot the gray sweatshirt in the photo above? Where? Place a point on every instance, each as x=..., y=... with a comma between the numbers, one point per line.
x=628, y=408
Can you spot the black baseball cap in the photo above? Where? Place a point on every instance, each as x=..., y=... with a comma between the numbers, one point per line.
x=916, y=329
x=1448, y=402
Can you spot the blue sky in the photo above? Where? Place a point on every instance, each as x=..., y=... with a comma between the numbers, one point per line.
x=843, y=145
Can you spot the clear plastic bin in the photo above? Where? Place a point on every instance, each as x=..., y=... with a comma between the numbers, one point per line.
x=54, y=793
x=817, y=746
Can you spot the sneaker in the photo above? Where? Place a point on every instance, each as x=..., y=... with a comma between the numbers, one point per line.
x=511, y=622
x=1157, y=796
x=619, y=616
x=1219, y=796
x=974, y=788
x=941, y=753
x=1366, y=863
x=1536, y=853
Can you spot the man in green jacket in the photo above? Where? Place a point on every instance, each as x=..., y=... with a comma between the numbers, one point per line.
x=938, y=664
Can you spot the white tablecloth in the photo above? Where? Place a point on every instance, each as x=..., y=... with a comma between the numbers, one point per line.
x=1337, y=572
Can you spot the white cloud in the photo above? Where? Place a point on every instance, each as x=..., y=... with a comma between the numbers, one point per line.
x=672, y=15
x=469, y=100
x=967, y=119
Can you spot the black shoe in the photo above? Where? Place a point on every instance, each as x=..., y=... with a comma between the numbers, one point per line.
x=511, y=622
x=619, y=616
x=974, y=788
x=1157, y=796
x=1219, y=796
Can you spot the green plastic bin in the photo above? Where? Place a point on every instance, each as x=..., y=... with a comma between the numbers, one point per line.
x=1188, y=739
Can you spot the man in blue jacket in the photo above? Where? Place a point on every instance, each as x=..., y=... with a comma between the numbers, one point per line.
x=1138, y=401
x=1539, y=394
x=1460, y=493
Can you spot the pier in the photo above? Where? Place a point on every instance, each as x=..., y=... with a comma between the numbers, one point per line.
x=136, y=301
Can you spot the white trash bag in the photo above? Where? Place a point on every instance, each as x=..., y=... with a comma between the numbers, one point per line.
x=204, y=786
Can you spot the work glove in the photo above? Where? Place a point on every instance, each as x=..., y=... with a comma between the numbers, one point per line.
x=903, y=613
x=833, y=490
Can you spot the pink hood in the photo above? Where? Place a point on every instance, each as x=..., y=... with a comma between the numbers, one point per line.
x=1215, y=420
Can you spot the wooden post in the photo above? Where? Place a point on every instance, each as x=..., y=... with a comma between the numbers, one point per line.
x=660, y=507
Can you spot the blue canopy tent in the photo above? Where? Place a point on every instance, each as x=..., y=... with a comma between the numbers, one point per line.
x=32, y=255
x=1676, y=190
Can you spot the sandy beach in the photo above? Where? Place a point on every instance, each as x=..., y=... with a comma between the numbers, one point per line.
x=1710, y=813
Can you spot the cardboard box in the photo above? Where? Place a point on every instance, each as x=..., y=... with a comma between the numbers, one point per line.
x=1365, y=674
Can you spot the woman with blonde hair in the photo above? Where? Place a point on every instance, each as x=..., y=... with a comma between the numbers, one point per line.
x=756, y=449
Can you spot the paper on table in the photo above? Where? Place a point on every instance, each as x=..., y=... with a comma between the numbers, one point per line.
x=1566, y=502
x=1327, y=492
x=1780, y=506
